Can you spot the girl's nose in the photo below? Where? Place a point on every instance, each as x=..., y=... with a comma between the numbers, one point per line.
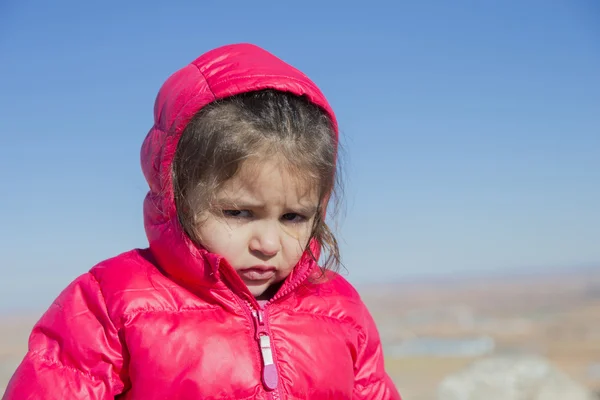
x=266, y=240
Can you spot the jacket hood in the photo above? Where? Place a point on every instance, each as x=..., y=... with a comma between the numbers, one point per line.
x=217, y=74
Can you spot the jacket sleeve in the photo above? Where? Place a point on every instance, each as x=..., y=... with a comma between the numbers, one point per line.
x=371, y=381
x=74, y=350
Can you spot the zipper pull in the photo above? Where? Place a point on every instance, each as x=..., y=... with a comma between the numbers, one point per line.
x=269, y=375
x=269, y=372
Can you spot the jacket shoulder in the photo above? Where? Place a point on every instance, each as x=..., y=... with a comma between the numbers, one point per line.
x=132, y=283
x=337, y=285
x=134, y=269
x=336, y=297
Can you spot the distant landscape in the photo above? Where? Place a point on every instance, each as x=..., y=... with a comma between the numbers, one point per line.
x=431, y=328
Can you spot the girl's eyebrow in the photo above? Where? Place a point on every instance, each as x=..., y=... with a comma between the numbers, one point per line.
x=249, y=204
x=239, y=203
x=307, y=210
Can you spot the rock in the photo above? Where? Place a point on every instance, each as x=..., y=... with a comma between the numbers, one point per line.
x=511, y=378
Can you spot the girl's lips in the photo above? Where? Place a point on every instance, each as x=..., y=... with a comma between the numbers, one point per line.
x=258, y=273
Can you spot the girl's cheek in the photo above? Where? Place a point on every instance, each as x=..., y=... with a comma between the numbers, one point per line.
x=302, y=235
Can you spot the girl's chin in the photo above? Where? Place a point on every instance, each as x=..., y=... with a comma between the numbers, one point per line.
x=264, y=290
x=257, y=288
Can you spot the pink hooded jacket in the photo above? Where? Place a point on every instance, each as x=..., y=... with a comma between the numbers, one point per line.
x=176, y=322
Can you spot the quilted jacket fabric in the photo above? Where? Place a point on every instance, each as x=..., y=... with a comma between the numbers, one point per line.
x=174, y=321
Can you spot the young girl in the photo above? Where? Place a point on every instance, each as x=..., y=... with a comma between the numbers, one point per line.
x=228, y=301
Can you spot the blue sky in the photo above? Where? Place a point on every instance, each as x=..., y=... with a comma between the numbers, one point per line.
x=471, y=129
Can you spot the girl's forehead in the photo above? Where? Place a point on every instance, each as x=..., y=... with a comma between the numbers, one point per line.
x=271, y=180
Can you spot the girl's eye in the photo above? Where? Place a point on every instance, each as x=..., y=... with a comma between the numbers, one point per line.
x=237, y=213
x=293, y=217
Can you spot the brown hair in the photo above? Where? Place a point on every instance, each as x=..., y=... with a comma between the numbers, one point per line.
x=263, y=123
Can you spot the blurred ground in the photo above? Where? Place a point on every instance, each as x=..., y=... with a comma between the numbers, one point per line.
x=555, y=315
x=431, y=329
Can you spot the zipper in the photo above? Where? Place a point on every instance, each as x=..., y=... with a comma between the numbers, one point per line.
x=269, y=371
x=269, y=374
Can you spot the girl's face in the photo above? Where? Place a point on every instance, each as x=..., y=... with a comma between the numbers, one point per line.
x=261, y=223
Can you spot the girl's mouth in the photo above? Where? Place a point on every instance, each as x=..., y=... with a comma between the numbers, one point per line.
x=257, y=273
